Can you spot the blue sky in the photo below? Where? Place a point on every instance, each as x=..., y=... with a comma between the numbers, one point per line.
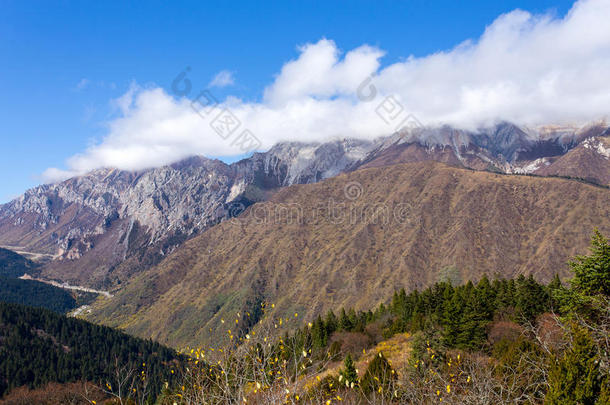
x=63, y=62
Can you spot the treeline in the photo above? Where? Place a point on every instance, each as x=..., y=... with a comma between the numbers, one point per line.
x=39, y=346
x=461, y=313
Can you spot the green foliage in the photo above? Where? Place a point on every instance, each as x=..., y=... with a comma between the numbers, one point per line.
x=35, y=294
x=379, y=376
x=531, y=297
x=592, y=273
x=575, y=378
x=452, y=319
x=319, y=334
x=349, y=370
x=40, y=346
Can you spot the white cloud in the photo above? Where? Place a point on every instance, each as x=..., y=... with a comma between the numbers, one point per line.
x=224, y=78
x=82, y=84
x=528, y=69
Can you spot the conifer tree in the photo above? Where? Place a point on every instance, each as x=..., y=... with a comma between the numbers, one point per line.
x=330, y=322
x=452, y=318
x=592, y=273
x=349, y=370
x=344, y=321
x=319, y=333
x=575, y=378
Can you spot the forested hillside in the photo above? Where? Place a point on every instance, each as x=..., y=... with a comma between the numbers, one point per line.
x=14, y=265
x=39, y=346
x=35, y=294
x=30, y=292
x=495, y=341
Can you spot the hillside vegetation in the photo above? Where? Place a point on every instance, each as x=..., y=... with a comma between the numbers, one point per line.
x=499, y=342
x=14, y=265
x=36, y=294
x=30, y=292
x=39, y=346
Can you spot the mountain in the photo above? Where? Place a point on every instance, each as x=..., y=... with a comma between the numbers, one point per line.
x=352, y=240
x=590, y=160
x=102, y=228
x=504, y=148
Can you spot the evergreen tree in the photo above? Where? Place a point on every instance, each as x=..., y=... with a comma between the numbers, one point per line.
x=330, y=322
x=344, y=321
x=452, y=319
x=349, y=370
x=476, y=315
x=576, y=378
x=319, y=334
x=555, y=283
x=531, y=297
x=592, y=273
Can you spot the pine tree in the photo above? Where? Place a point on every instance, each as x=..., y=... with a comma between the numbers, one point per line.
x=531, y=298
x=592, y=273
x=319, y=334
x=576, y=378
x=344, y=321
x=349, y=370
x=555, y=283
x=472, y=329
x=330, y=322
x=451, y=319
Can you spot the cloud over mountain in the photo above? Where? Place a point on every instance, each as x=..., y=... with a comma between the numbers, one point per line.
x=525, y=68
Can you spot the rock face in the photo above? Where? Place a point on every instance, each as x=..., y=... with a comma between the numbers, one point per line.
x=109, y=216
x=101, y=228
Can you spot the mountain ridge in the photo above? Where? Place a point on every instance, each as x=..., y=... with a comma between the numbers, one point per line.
x=103, y=227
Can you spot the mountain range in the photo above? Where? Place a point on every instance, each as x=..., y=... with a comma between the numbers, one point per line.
x=149, y=234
